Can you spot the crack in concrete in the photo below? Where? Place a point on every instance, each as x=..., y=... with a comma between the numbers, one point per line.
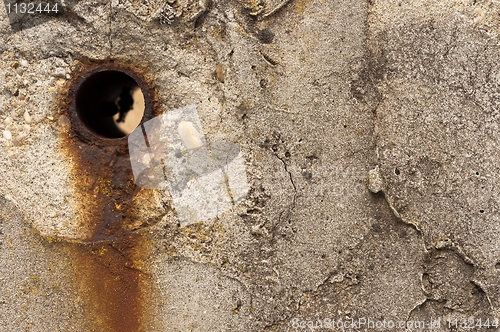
x=418, y=305
x=398, y=216
x=292, y=206
x=371, y=59
x=478, y=284
x=452, y=247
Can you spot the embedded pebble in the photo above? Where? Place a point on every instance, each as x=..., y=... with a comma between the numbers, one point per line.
x=8, y=121
x=27, y=117
x=59, y=72
x=480, y=15
x=7, y=135
x=17, y=142
x=220, y=72
x=375, y=180
x=24, y=63
x=189, y=135
x=27, y=128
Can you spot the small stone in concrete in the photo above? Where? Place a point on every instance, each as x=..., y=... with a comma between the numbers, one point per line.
x=7, y=135
x=375, y=181
x=59, y=72
x=27, y=117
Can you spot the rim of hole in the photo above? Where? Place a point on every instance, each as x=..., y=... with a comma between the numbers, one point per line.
x=78, y=124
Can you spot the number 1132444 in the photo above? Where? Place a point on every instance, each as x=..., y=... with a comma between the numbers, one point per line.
x=32, y=8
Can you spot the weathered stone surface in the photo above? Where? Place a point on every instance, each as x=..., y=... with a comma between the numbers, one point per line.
x=369, y=135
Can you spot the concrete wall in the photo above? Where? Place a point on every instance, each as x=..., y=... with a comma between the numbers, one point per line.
x=369, y=134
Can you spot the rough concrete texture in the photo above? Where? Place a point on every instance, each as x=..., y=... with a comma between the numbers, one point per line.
x=369, y=130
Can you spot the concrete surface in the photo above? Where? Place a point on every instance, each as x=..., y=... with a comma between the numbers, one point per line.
x=369, y=131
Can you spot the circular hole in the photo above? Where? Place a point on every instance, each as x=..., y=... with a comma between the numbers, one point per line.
x=397, y=171
x=481, y=211
x=110, y=104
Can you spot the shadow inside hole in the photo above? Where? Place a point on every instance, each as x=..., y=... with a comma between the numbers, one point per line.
x=110, y=104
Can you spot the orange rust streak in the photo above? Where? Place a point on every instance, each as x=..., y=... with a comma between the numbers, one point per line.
x=104, y=262
x=110, y=286
x=104, y=265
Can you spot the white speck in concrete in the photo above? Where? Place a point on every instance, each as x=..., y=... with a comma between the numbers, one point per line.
x=480, y=15
x=27, y=117
x=189, y=135
x=7, y=135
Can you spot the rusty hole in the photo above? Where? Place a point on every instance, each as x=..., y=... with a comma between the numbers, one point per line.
x=108, y=102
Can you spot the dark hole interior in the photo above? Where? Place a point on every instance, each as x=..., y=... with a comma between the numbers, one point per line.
x=110, y=104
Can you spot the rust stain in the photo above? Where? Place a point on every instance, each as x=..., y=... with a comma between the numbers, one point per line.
x=109, y=258
x=300, y=6
x=110, y=284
